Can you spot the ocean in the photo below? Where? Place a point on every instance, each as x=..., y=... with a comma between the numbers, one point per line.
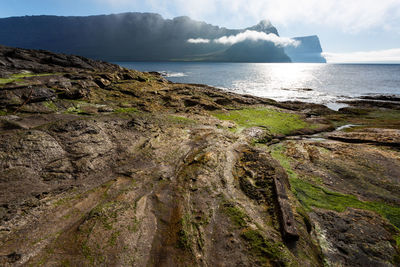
x=327, y=84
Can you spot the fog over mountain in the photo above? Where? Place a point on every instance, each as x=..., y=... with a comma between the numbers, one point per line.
x=150, y=37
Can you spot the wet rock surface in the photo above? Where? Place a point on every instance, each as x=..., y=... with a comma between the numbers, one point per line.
x=355, y=238
x=389, y=137
x=105, y=166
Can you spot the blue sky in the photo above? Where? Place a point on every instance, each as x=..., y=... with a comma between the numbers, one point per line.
x=356, y=30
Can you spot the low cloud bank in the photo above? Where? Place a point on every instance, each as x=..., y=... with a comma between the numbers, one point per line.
x=379, y=56
x=249, y=36
x=198, y=41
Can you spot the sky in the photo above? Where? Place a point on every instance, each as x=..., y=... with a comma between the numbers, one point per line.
x=349, y=30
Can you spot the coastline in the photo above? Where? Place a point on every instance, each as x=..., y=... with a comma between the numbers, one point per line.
x=104, y=165
x=315, y=83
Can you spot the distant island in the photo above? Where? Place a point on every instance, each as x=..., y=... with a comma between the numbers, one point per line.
x=150, y=37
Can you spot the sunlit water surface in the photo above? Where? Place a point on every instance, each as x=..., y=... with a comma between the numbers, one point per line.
x=318, y=83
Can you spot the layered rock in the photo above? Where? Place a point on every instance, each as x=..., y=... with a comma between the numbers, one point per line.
x=101, y=165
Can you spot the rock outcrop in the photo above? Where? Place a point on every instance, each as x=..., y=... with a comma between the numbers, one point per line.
x=106, y=166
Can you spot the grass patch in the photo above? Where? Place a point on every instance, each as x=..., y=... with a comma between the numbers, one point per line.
x=311, y=195
x=126, y=110
x=276, y=122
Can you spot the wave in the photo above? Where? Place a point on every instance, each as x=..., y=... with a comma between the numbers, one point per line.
x=168, y=74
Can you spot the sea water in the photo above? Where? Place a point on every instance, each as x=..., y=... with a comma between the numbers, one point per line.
x=327, y=84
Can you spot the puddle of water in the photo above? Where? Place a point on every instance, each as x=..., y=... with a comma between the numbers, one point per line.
x=336, y=106
x=347, y=126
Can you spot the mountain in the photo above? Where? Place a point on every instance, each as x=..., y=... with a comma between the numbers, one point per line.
x=264, y=26
x=309, y=50
x=136, y=37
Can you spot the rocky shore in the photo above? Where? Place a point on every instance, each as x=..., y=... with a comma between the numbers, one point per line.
x=105, y=166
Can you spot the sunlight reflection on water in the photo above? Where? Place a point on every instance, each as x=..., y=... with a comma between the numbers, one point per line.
x=319, y=83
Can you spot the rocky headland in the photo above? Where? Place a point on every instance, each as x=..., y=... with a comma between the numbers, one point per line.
x=134, y=36
x=105, y=166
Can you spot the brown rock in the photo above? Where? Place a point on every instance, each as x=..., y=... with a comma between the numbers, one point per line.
x=369, y=135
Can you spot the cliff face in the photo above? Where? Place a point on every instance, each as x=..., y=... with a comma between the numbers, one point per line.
x=123, y=37
x=309, y=50
x=101, y=165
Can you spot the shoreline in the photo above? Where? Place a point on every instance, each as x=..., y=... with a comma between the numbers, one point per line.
x=102, y=165
x=275, y=83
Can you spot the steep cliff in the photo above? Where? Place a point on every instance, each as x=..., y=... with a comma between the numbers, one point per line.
x=309, y=50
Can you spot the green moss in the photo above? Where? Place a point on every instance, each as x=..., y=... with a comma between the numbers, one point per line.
x=19, y=77
x=180, y=120
x=311, y=195
x=107, y=213
x=113, y=240
x=66, y=263
x=264, y=250
x=3, y=113
x=387, y=118
x=63, y=201
x=237, y=216
x=42, y=261
x=26, y=75
x=50, y=105
x=184, y=236
x=8, y=80
x=76, y=110
x=275, y=121
x=134, y=227
x=397, y=239
x=259, y=247
x=73, y=110
x=384, y=114
x=87, y=253
x=126, y=110
x=396, y=258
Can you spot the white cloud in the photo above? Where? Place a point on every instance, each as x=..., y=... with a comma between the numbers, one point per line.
x=354, y=15
x=198, y=41
x=379, y=56
x=249, y=36
x=257, y=36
